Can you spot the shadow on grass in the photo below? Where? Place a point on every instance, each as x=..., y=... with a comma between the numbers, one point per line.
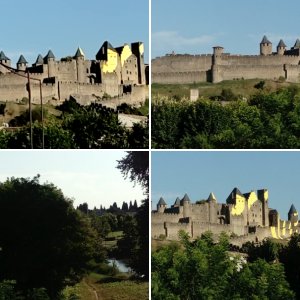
x=111, y=280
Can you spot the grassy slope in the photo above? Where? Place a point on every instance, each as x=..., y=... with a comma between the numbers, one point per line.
x=244, y=88
x=15, y=109
x=109, y=288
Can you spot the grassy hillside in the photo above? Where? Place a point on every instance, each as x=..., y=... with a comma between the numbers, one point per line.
x=242, y=88
x=112, y=287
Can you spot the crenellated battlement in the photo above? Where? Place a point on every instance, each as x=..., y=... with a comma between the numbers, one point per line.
x=78, y=75
x=245, y=216
x=183, y=68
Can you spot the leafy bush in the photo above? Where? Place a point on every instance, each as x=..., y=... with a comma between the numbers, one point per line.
x=265, y=121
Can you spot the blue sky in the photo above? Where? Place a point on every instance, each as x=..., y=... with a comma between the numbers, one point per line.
x=199, y=173
x=195, y=26
x=87, y=176
x=35, y=26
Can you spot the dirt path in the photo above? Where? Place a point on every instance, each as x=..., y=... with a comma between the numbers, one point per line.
x=92, y=290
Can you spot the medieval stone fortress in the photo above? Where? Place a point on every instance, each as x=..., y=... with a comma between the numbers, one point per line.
x=116, y=72
x=244, y=217
x=282, y=64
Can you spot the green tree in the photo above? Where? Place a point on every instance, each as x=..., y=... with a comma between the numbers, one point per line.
x=290, y=257
x=45, y=242
x=204, y=269
x=95, y=126
x=135, y=165
x=267, y=250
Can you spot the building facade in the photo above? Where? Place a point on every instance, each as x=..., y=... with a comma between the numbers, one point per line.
x=244, y=217
x=114, y=72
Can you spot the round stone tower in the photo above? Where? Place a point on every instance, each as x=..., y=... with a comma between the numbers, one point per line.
x=5, y=61
x=216, y=59
x=265, y=46
x=79, y=57
x=50, y=60
x=281, y=47
x=185, y=201
x=293, y=215
x=22, y=63
x=161, y=205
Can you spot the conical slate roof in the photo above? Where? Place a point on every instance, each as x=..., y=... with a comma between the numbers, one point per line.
x=186, y=198
x=265, y=40
x=49, y=55
x=161, y=201
x=3, y=56
x=292, y=210
x=39, y=60
x=281, y=44
x=79, y=53
x=211, y=197
x=22, y=60
x=177, y=201
x=297, y=44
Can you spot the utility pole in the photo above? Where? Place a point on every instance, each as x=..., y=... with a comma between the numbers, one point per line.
x=30, y=109
x=26, y=75
x=42, y=116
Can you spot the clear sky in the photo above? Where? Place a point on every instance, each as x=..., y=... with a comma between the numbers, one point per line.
x=195, y=26
x=35, y=26
x=199, y=173
x=87, y=176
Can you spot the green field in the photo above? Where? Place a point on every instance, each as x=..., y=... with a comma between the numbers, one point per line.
x=108, y=287
x=240, y=88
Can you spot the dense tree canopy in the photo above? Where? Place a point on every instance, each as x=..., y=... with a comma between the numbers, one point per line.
x=84, y=127
x=201, y=269
x=45, y=242
x=266, y=120
x=135, y=165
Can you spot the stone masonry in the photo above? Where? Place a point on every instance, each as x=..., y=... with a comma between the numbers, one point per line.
x=116, y=72
x=219, y=66
x=244, y=217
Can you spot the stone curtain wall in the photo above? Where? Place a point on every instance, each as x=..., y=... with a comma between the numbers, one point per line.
x=181, y=77
x=176, y=69
x=181, y=63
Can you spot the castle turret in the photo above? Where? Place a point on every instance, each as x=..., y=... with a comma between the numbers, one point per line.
x=212, y=208
x=161, y=205
x=22, y=63
x=79, y=57
x=177, y=202
x=263, y=196
x=211, y=198
x=293, y=216
x=297, y=44
x=50, y=60
x=217, y=57
x=265, y=46
x=281, y=47
x=39, y=60
x=6, y=61
x=138, y=50
x=185, y=201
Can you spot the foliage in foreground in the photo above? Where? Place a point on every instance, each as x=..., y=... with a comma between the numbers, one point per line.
x=267, y=120
x=204, y=270
x=84, y=127
x=45, y=243
x=135, y=165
